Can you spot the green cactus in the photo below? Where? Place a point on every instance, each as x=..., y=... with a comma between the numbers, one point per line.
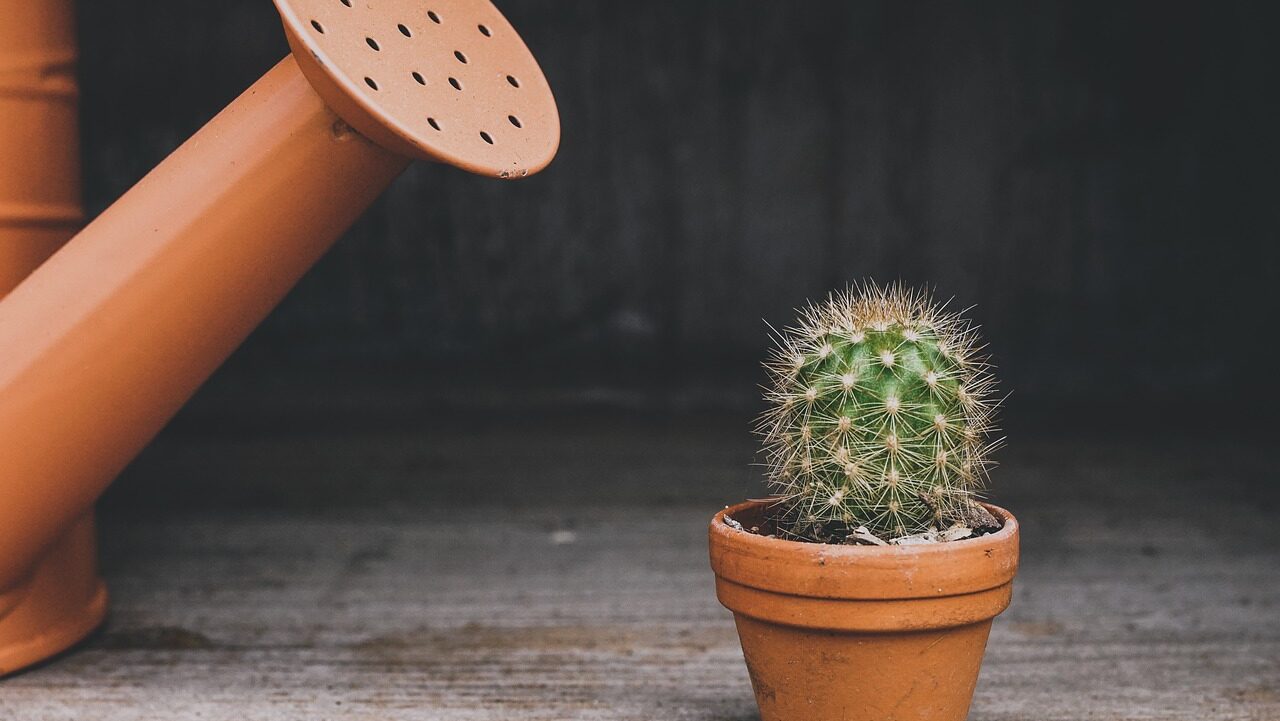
x=880, y=411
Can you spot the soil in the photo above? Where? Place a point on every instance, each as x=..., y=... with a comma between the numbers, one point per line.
x=983, y=524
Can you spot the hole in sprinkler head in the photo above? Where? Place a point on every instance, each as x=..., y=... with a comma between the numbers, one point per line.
x=372, y=43
x=512, y=79
x=434, y=18
x=484, y=30
x=404, y=30
x=432, y=122
x=319, y=28
x=515, y=121
x=461, y=58
x=454, y=82
x=370, y=83
x=418, y=77
x=486, y=137
x=346, y=2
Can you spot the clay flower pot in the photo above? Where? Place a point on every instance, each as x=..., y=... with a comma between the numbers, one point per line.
x=853, y=633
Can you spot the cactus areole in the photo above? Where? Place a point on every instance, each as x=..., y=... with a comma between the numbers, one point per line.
x=879, y=417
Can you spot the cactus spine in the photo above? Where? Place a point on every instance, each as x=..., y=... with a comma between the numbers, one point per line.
x=879, y=412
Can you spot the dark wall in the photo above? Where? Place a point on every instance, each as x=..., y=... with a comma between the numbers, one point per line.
x=1098, y=178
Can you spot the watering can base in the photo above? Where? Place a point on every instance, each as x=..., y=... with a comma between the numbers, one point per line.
x=63, y=601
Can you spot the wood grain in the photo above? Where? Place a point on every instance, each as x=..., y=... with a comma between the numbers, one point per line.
x=1150, y=585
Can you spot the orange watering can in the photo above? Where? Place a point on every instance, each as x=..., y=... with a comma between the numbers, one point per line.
x=105, y=341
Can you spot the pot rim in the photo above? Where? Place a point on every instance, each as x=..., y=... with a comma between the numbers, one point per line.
x=1008, y=527
x=836, y=571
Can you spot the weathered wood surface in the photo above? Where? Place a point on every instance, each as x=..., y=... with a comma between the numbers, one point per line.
x=524, y=605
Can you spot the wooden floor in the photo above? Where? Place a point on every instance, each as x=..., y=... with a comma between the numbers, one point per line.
x=531, y=592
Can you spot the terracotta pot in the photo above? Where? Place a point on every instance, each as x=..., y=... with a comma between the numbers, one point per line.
x=846, y=633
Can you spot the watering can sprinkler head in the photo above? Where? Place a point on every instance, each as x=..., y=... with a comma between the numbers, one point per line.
x=448, y=81
x=107, y=339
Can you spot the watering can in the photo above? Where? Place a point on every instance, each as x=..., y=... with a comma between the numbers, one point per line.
x=106, y=339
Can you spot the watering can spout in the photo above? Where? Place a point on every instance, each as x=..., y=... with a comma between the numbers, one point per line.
x=105, y=341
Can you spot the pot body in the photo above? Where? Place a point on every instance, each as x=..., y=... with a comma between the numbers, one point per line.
x=862, y=633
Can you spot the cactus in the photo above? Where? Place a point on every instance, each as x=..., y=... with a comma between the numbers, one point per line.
x=880, y=408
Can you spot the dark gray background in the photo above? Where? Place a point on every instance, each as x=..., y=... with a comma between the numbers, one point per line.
x=1096, y=177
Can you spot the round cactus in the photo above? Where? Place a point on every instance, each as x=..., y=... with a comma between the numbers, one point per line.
x=880, y=410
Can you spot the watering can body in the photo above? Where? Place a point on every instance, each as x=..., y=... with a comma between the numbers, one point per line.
x=105, y=341
x=61, y=597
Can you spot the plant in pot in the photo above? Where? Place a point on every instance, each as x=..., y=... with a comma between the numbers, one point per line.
x=865, y=586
